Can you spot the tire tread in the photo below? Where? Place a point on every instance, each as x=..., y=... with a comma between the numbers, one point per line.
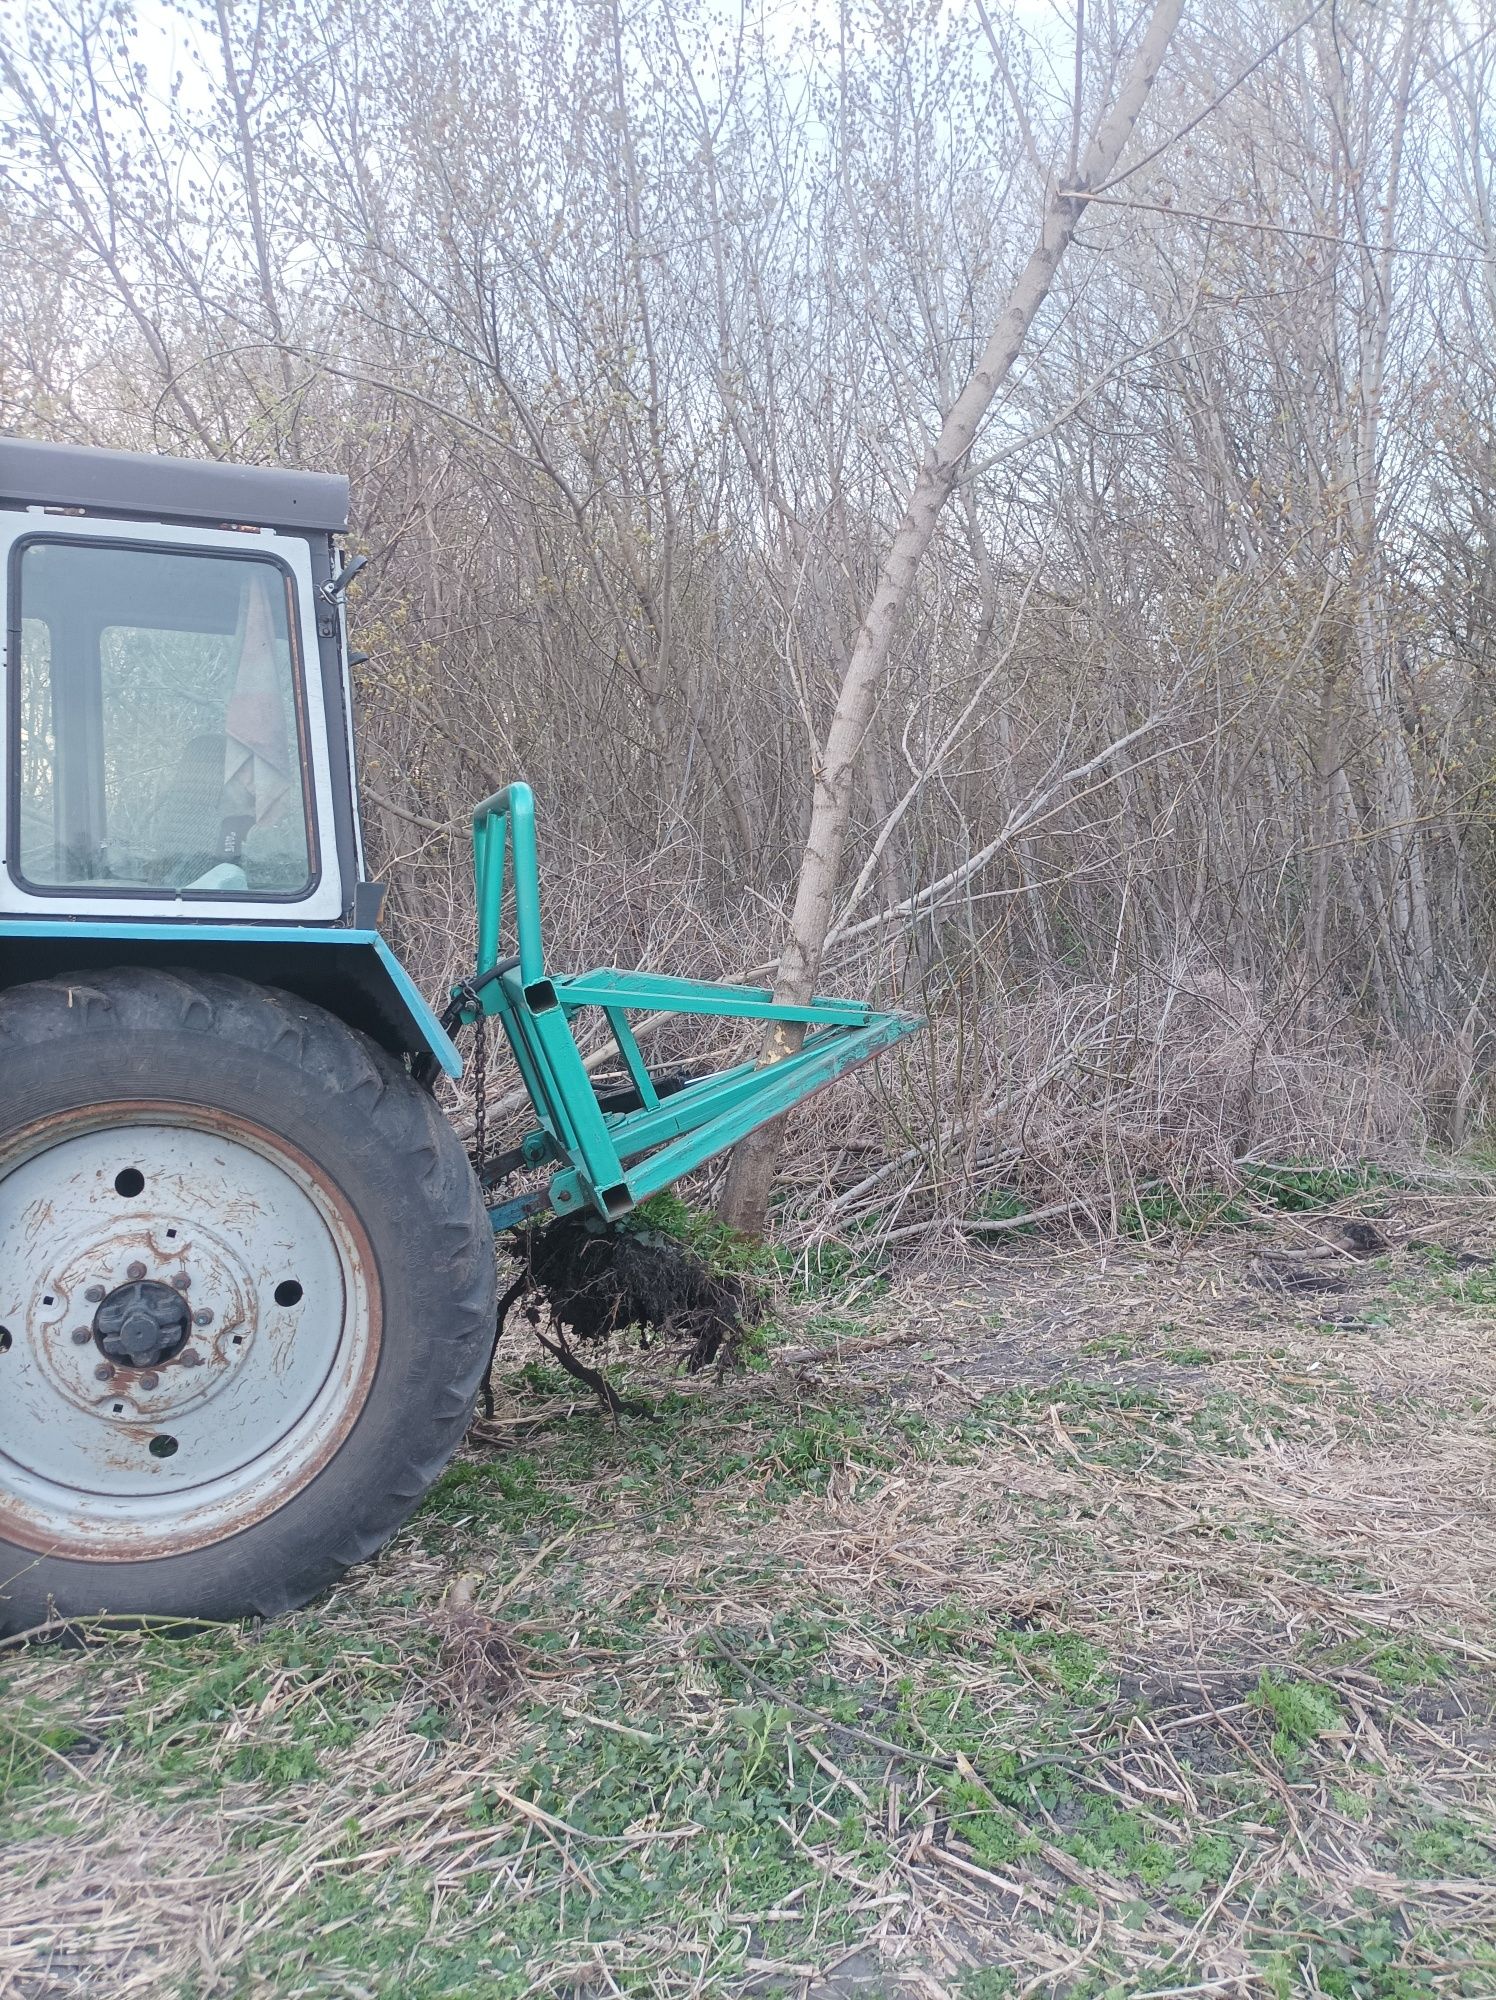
x=447, y=1228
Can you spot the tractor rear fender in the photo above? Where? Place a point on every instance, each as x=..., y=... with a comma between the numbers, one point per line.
x=352, y=973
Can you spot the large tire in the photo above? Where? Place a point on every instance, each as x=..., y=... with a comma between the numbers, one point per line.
x=246, y=1297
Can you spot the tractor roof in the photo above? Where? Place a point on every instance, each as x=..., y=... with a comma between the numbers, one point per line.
x=142, y=483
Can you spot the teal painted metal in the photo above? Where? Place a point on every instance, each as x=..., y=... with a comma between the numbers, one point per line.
x=267, y=940
x=633, y=1057
x=708, y=1128
x=691, y=996
x=436, y=1037
x=506, y=1214
x=613, y=1159
x=505, y=824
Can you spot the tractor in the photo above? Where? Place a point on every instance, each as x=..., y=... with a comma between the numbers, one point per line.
x=248, y=1271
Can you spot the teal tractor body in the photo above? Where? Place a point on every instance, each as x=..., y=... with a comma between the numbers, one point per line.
x=247, y=1276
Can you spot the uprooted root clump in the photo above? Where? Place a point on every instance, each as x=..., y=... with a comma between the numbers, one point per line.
x=596, y=1281
x=480, y=1664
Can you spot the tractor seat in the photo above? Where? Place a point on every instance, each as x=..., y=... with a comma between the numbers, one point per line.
x=188, y=834
x=204, y=832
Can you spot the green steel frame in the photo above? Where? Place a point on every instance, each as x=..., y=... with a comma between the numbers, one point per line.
x=612, y=1159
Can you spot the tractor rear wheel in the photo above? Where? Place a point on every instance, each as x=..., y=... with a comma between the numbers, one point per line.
x=246, y=1297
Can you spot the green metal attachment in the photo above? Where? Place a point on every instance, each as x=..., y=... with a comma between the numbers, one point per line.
x=613, y=1159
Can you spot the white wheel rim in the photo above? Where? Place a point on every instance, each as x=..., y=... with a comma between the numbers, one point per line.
x=107, y=1460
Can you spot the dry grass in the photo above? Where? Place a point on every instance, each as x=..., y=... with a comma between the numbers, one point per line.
x=1057, y=1623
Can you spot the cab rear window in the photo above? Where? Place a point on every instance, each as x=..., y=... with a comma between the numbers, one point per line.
x=156, y=727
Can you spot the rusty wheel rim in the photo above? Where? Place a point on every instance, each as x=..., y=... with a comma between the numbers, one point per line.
x=189, y=1326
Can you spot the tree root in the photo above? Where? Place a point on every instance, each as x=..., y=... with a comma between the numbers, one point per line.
x=594, y=1280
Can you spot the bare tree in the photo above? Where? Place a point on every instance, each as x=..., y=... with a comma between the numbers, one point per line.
x=745, y=1199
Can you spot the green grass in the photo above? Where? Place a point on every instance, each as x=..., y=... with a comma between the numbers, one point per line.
x=1002, y=1204
x=721, y=1249
x=685, y=1443
x=1128, y=1429
x=1475, y=1288
x=1300, y=1186
x=1295, y=1187
x=770, y=1640
x=1167, y=1210
x=1401, y=1666
x=1358, y=1961
x=1113, y=1346
x=34, y=1748
x=1300, y=1714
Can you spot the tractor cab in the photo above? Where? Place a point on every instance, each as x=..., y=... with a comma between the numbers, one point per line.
x=177, y=740
x=177, y=757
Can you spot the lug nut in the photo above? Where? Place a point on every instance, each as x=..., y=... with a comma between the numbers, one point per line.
x=182, y=1282
x=104, y=1372
x=202, y=1317
x=150, y=1379
x=81, y=1336
x=136, y=1271
x=94, y=1294
x=190, y=1358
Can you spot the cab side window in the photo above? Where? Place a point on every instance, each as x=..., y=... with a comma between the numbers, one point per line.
x=158, y=738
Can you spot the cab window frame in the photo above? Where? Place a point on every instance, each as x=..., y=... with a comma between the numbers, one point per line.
x=305, y=763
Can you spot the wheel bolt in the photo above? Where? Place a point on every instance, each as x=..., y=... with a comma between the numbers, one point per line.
x=182, y=1282
x=94, y=1294
x=202, y=1317
x=190, y=1358
x=81, y=1336
x=150, y=1379
x=136, y=1271
x=104, y=1372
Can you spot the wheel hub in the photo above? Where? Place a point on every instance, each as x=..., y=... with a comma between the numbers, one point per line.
x=142, y=1324
x=188, y=1338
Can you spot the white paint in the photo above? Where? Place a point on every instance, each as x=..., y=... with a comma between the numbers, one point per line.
x=323, y=903
x=274, y=1387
